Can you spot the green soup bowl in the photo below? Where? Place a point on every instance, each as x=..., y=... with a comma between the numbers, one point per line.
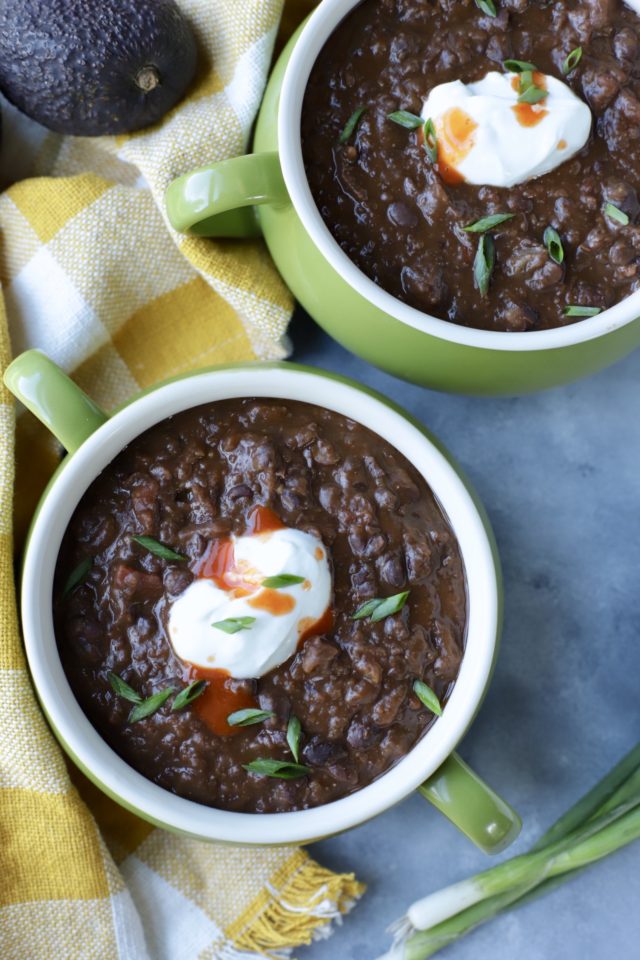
x=92, y=440
x=267, y=192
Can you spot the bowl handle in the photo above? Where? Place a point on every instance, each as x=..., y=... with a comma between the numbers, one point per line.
x=472, y=806
x=219, y=200
x=54, y=398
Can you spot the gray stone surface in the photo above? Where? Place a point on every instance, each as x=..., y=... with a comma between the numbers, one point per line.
x=559, y=473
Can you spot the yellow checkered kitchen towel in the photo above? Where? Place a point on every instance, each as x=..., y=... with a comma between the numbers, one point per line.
x=92, y=275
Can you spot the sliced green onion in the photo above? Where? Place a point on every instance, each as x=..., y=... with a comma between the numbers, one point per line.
x=427, y=697
x=430, y=140
x=77, y=576
x=123, y=689
x=281, y=581
x=188, y=695
x=484, y=263
x=234, y=624
x=572, y=61
x=575, y=310
x=351, y=125
x=150, y=705
x=277, y=768
x=379, y=608
x=488, y=7
x=405, y=119
x=487, y=223
x=294, y=729
x=518, y=66
x=526, y=80
x=245, y=718
x=157, y=548
x=616, y=214
x=533, y=94
x=553, y=243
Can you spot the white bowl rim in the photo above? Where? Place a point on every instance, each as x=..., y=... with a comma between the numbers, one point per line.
x=321, y=23
x=68, y=720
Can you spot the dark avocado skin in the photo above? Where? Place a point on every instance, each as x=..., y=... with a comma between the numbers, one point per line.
x=72, y=64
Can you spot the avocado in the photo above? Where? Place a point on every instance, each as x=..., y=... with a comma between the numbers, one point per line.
x=92, y=67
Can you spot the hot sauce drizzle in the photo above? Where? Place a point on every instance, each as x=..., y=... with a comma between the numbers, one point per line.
x=455, y=131
x=530, y=114
x=219, y=700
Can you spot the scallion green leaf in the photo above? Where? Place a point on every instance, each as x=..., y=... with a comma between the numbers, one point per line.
x=488, y=7
x=277, y=768
x=294, y=729
x=188, y=695
x=157, y=548
x=281, y=581
x=77, y=576
x=427, y=697
x=575, y=310
x=351, y=124
x=430, y=140
x=405, y=119
x=487, y=223
x=518, y=66
x=532, y=94
x=616, y=214
x=245, y=718
x=150, y=705
x=379, y=608
x=123, y=689
x=553, y=243
x=234, y=624
x=572, y=61
x=484, y=263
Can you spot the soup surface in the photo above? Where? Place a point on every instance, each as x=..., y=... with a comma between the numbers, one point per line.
x=164, y=528
x=401, y=217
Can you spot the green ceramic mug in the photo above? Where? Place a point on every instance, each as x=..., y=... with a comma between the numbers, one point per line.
x=267, y=192
x=93, y=440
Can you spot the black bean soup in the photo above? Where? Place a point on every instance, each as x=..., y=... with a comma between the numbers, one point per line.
x=355, y=696
x=391, y=208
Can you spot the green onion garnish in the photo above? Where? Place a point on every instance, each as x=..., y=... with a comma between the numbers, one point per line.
x=427, y=697
x=150, y=705
x=486, y=223
x=430, y=140
x=532, y=94
x=616, y=214
x=572, y=61
x=188, y=695
x=484, y=263
x=575, y=310
x=518, y=66
x=77, y=576
x=553, y=243
x=159, y=549
x=405, y=119
x=123, y=689
x=294, y=729
x=283, y=580
x=234, y=624
x=277, y=768
x=245, y=718
x=351, y=125
x=379, y=608
x=488, y=7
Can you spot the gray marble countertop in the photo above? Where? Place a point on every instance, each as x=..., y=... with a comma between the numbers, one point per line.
x=559, y=473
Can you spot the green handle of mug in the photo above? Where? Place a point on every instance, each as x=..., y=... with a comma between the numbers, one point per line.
x=220, y=200
x=54, y=398
x=472, y=806
x=454, y=789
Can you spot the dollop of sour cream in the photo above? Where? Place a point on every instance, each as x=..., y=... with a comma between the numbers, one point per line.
x=230, y=588
x=486, y=137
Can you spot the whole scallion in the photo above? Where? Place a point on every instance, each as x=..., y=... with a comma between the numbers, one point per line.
x=605, y=819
